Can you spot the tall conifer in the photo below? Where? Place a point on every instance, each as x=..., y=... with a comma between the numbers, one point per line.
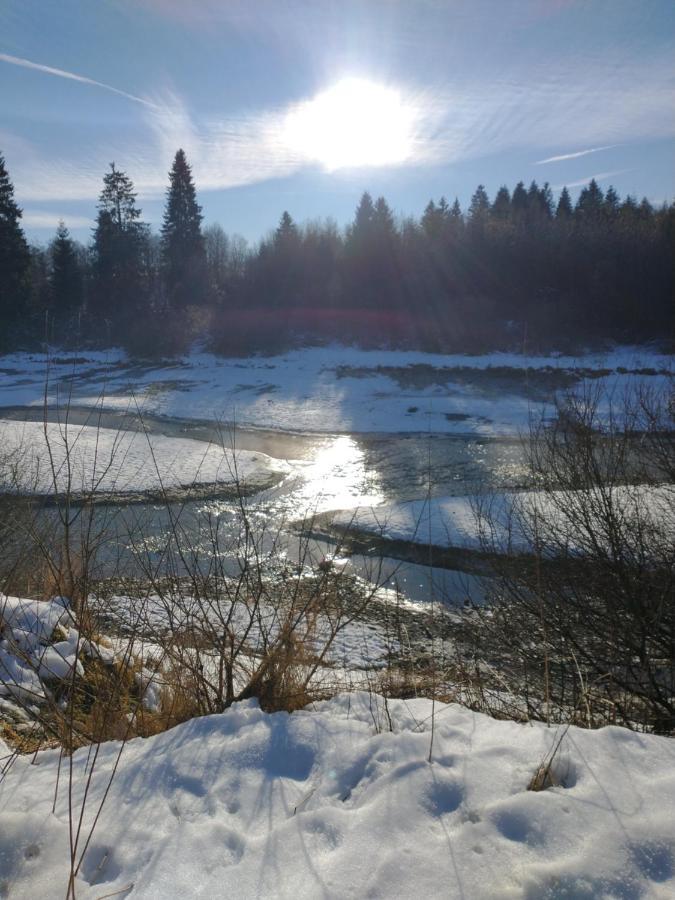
x=14, y=255
x=183, y=253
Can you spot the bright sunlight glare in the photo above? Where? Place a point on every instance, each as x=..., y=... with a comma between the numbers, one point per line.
x=354, y=123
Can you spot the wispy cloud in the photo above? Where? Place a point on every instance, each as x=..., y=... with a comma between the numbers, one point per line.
x=38, y=218
x=224, y=152
x=458, y=121
x=71, y=76
x=600, y=176
x=576, y=155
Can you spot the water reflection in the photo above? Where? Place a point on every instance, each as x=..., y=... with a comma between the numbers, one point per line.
x=336, y=478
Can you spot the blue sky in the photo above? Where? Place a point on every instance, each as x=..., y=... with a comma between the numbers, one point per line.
x=490, y=91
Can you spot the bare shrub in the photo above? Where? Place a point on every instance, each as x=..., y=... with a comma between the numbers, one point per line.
x=582, y=616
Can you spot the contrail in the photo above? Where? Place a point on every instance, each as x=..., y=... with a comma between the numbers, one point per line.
x=61, y=73
x=541, y=162
x=601, y=176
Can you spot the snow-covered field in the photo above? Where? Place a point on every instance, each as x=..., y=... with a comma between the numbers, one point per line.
x=326, y=389
x=87, y=458
x=330, y=803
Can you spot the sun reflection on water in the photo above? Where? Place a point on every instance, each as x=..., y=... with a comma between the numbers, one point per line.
x=336, y=478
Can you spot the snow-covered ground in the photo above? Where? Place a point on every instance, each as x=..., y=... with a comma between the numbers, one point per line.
x=458, y=521
x=103, y=459
x=326, y=389
x=330, y=803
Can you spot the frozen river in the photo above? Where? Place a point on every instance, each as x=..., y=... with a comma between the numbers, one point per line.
x=331, y=428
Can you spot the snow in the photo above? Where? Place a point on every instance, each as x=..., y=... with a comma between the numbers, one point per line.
x=26, y=658
x=57, y=660
x=316, y=389
x=458, y=521
x=105, y=459
x=328, y=802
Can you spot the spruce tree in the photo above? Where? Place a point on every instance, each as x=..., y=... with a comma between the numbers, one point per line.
x=362, y=228
x=590, y=203
x=479, y=210
x=286, y=234
x=383, y=221
x=612, y=203
x=435, y=219
x=183, y=253
x=519, y=202
x=432, y=220
x=66, y=276
x=14, y=254
x=119, y=252
x=501, y=206
x=564, y=207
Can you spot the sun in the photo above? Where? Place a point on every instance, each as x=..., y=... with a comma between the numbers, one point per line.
x=354, y=123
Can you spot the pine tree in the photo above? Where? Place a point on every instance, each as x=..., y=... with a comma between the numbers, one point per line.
x=66, y=276
x=383, y=221
x=501, y=207
x=14, y=254
x=183, y=254
x=119, y=252
x=612, y=203
x=564, y=207
x=286, y=262
x=456, y=212
x=362, y=227
x=479, y=209
x=546, y=200
x=519, y=201
x=590, y=203
x=432, y=221
x=286, y=234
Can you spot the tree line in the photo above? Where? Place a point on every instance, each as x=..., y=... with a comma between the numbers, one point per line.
x=516, y=270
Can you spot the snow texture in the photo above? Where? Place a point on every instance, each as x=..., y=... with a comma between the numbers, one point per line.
x=458, y=521
x=331, y=803
x=104, y=459
x=26, y=658
x=321, y=389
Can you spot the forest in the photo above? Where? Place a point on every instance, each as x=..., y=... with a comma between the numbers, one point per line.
x=516, y=271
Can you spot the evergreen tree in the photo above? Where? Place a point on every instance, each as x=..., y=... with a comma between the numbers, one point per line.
x=286, y=236
x=479, y=209
x=611, y=202
x=39, y=297
x=455, y=218
x=65, y=279
x=119, y=251
x=564, y=207
x=546, y=200
x=501, y=207
x=383, y=221
x=519, y=202
x=362, y=227
x=432, y=221
x=590, y=203
x=14, y=254
x=183, y=254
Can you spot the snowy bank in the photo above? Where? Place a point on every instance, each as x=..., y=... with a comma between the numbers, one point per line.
x=330, y=803
x=461, y=521
x=86, y=458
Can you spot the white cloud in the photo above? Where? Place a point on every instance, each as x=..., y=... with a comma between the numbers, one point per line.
x=38, y=218
x=575, y=155
x=467, y=119
x=71, y=76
